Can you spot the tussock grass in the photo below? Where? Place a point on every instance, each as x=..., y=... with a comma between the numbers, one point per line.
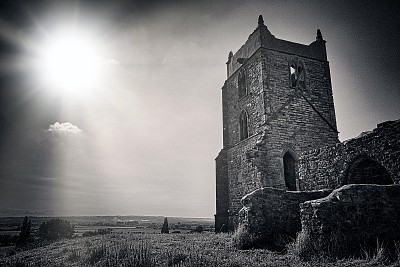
x=330, y=251
x=331, y=248
x=242, y=239
x=377, y=254
x=179, y=250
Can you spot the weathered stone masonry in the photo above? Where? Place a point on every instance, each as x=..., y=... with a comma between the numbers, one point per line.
x=352, y=218
x=280, y=142
x=373, y=157
x=272, y=216
x=285, y=117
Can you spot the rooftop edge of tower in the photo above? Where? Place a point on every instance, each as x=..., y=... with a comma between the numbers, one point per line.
x=263, y=38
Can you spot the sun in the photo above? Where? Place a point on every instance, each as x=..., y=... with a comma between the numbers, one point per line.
x=70, y=62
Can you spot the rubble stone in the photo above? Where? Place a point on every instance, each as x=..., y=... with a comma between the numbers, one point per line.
x=273, y=215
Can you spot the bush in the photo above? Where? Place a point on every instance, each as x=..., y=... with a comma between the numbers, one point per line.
x=25, y=233
x=199, y=229
x=56, y=229
x=165, y=228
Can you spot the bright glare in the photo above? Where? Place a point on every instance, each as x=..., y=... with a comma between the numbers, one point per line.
x=70, y=62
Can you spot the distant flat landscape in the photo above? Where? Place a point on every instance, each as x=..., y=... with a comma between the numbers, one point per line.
x=129, y=223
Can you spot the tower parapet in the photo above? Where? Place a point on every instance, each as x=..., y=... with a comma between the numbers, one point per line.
x=263, y=38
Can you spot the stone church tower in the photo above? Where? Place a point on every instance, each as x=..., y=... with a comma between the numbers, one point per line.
x=277, y=102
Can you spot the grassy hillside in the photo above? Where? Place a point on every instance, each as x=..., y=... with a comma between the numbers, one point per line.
x=127, y=249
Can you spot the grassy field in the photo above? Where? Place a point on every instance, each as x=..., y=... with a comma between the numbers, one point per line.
x=130, y=249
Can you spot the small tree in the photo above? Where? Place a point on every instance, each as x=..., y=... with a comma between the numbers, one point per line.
x=25, y=232
x=165, y=228
x=56, y=229
x=199, y=229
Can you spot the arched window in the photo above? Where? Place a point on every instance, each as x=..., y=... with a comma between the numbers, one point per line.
x=243, y=127
x=297, y=74
x=364, y=170
x=242, y=83
x=289, y=171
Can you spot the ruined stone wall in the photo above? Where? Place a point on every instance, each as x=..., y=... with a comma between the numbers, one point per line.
x=272, y=215
x=352, y=218
x=330, y=167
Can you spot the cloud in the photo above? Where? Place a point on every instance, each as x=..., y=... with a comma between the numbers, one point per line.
x=64, y=127
x=109, y=61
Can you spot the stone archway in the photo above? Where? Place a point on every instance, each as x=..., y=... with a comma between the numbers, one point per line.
x=364, y=170
x=289, y=171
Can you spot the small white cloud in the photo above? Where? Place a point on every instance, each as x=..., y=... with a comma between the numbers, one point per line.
x=65, y=127
x=109, y=61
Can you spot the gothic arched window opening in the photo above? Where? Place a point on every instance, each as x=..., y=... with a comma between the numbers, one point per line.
x=243, y=126
x=365, y=170
x=289, y=171
x=242, y=83
x=297, y=74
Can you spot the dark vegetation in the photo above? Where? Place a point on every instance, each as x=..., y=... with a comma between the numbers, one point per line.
x=303, y=248
x=104, y=247
x=29, y=238
x=56, y=229
x=21, y=234
x=165, y=227
x=199, y=229
x=183, y=250
x=25, y=233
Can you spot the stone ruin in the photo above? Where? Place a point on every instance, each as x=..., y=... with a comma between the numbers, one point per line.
x=371, y=158
x=271, y=216
x=352, y=218
x=282, y=153
x=356, y=204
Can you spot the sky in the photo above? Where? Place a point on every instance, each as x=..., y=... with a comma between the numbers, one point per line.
x=139, y=134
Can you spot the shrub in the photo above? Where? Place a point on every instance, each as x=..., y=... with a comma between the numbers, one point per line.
x=56, y=229
x=199, y=229
x=165, y=228
x=25, y=233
